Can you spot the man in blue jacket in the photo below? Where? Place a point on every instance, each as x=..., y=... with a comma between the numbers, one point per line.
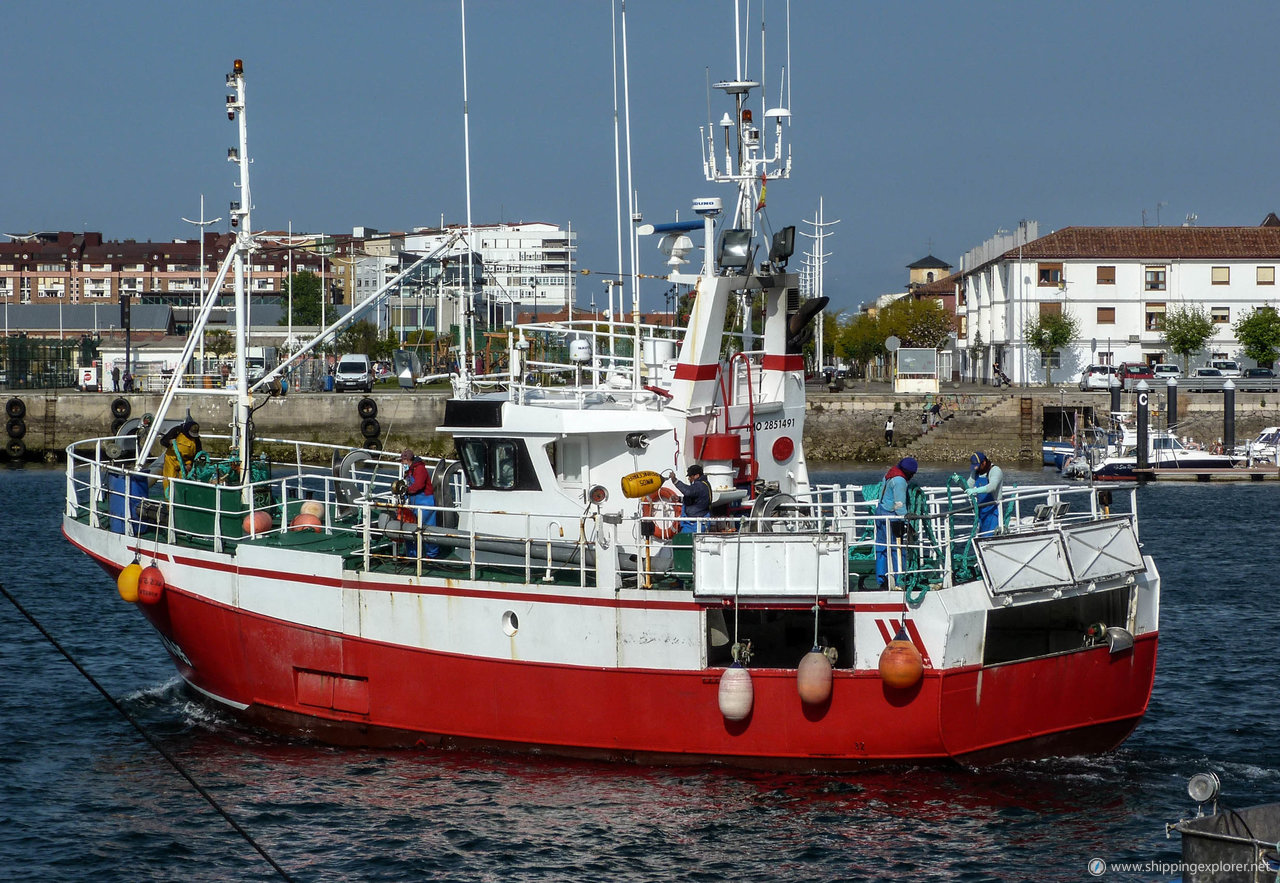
x=696, y=504
x=986, y=482
x=891, y=515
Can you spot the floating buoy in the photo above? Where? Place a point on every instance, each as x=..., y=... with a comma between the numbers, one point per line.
x=127, y=582
x=736, y=693
x=257, y=522
x=901, y=665
x=150, y=585
x=813, y=677
x=312, y=507
x=305, y=521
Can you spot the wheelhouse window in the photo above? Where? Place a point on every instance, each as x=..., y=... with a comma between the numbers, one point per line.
x=498, y=464
x=1156, y=279
x=1049, y=274
x=1220, y=275
x=1106, y=275
x=1106, y=315
x=1266, y=275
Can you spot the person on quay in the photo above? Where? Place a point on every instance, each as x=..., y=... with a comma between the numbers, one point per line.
x=115, y=378
x=986, y=486
x=696, y=505
x=888, y=431
x=891, y=515
x=420, y=494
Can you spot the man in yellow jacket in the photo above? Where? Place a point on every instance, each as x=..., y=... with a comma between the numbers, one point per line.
x=180, y=444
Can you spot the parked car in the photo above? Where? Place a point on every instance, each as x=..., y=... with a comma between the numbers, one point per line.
x=1259, y=373
x=1097, y=377
x=1165, y=371
x=354, y=371
x=1131, y=372
x=1228, y=367
x=1208, y=372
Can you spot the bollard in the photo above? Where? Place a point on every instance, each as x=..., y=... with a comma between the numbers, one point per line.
x=1228, y=417
x=1115, y=394
x=1171, y=417
x=1143, y=417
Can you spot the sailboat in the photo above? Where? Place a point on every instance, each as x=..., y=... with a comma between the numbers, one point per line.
x=555, y=598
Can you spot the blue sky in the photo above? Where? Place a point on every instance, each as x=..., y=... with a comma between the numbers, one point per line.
x=924, y=126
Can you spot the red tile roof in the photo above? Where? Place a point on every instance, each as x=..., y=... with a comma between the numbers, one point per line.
x=1154, y=243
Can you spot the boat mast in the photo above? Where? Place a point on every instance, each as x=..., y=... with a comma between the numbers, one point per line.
x=240, y=219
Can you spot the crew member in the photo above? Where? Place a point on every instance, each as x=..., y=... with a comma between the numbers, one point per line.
x=986, y=482
x=696, y=504
x=420, y=494
x=891, y=514
x=180, y=445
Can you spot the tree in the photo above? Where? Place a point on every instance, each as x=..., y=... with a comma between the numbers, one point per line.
x=861, y=341
x=220, y=342
x=1259, y=334
x=1186, y=329
x=1049, y=333
x=363, y=337
x=917, y=323
x=306, y=299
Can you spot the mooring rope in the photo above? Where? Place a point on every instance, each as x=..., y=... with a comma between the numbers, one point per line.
x=151, y=740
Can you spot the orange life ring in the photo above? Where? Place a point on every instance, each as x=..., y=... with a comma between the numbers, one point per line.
x=663, y=509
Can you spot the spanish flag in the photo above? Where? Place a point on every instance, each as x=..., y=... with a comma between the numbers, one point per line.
x=764, y=181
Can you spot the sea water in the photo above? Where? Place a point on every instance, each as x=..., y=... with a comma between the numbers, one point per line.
x=84, y=797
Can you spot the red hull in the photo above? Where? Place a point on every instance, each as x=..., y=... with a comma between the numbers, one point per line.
x=356, y=692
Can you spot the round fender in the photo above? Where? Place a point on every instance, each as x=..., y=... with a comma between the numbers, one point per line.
x=16, y=449
x=367, y=407
x=370, y=427
x=17, y=428
x=15, y=408
x=120, y=407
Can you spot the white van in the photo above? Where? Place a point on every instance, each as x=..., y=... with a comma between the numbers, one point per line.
x=354, y=371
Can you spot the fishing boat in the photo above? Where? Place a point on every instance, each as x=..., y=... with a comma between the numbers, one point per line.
x=1226, y=845
x=556, y=599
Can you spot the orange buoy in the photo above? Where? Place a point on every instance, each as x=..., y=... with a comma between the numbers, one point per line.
x=813, y=677
x=736, y=693
x=150, y=585
x=305, y=521
x=257, y=522
x=127, y=582
x=312, y=507
x=901, y=665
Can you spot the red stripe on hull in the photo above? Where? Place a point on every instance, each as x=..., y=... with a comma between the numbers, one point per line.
x=352, y=691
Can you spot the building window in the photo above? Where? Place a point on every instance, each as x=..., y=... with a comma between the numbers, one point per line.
x=1266, y=275
x=1106, y=275
x=1155, y=280
x=1154, y=316
x=1106, y=315
x=1220, y=275
x=1105, y=358
x=1051, y=309
x=1050, y=274
x=1220, y=315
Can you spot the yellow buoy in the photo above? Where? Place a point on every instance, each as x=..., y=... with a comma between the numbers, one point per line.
x=127, y=582
x=641, y=484
x=901, y=665
x=736, y=693
x=312, y=507
x=813, y=677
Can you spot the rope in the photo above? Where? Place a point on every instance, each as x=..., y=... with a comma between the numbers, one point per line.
x=151, y=740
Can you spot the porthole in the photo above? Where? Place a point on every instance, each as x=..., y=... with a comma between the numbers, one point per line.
x=510, y=623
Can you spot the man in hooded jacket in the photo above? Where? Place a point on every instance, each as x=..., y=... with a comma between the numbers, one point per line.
x=891, y=514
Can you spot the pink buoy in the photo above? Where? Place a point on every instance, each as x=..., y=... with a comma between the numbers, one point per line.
x=150, y=585
x=813, y=677
x=257, y=523
x=736, y=693
x=305, y=521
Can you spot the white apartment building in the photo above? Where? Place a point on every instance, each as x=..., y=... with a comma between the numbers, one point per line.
x=1118, y=282
x=526, y=267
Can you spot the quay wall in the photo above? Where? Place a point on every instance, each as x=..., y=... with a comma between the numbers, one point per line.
x=841, y=426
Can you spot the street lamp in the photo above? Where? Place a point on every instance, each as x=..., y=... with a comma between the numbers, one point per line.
x=202, y=223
